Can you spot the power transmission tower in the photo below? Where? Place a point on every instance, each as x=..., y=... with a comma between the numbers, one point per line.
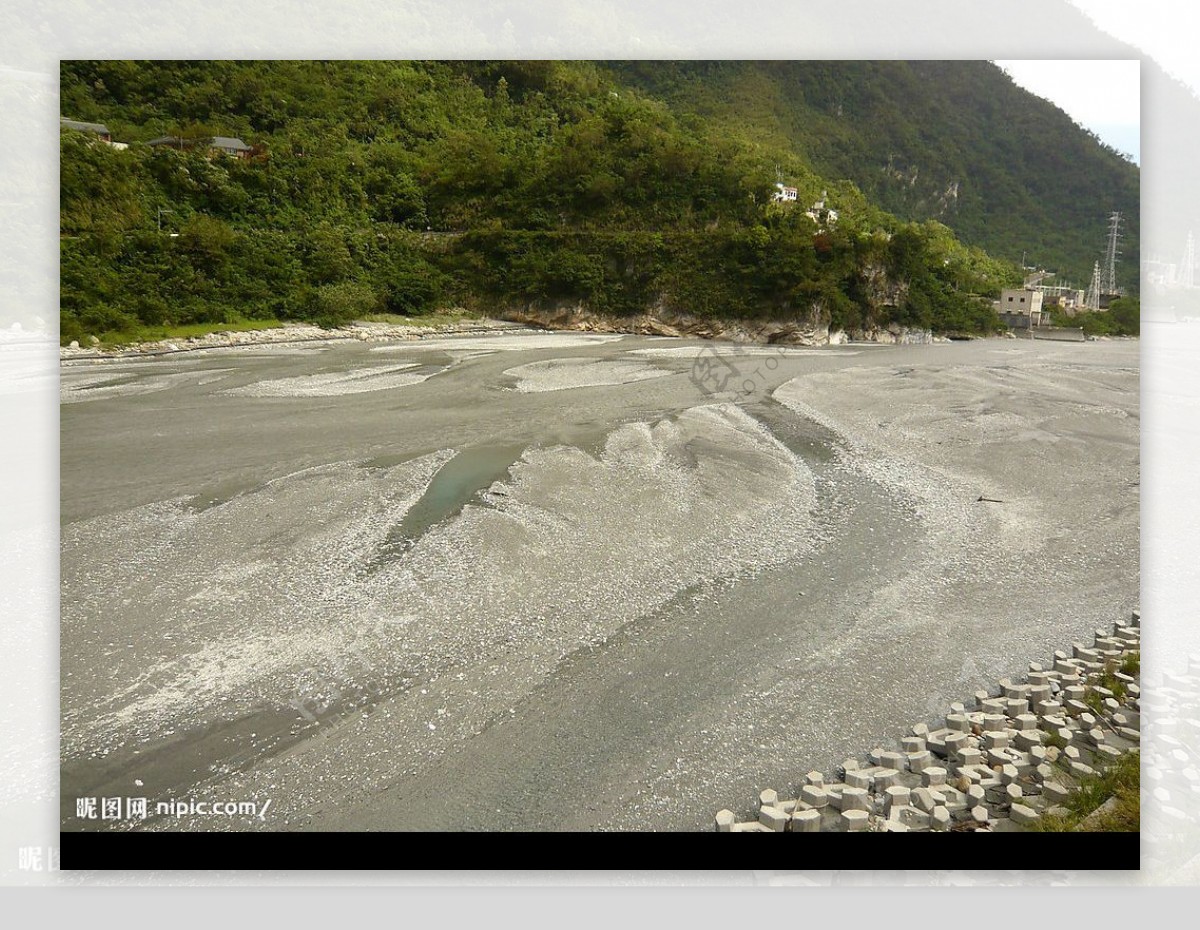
x=1113, y=253
x=1093, y=293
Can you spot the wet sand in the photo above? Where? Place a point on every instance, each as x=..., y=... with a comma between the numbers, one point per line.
x=440, y=602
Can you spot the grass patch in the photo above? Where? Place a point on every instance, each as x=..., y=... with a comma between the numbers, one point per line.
x=1119, y=784
x=1053, y=739
x=181, y=332
x=1129, y=665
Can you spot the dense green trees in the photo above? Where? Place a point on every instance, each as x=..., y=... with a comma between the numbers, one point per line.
x=955, y=141
x=1126, y=316
x=1122, y=318
x=403, y=186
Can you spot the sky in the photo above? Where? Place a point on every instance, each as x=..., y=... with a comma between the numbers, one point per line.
x=1165, y=30
x=1103, y=96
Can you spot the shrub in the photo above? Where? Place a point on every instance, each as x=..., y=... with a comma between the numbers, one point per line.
x=98, y=319
x=337, y=304
x=69, y=329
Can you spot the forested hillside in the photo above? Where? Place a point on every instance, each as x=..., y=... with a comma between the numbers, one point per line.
x=955, y=141
x=406, y=186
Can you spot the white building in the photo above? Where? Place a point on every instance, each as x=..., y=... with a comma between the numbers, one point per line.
x=784, y=194
x=820, y=213
x=1021, y=307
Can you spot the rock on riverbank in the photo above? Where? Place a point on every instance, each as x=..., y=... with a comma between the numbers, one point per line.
x=659, y=321
x=763, y=332
x=291, y=333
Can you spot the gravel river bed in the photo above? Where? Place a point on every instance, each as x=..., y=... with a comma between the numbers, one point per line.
x=540, y=581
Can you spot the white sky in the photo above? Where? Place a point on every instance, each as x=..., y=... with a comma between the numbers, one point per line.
x=1104, y=96
x=1165, y=30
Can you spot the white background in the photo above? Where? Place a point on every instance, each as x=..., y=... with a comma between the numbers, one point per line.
x=33, y=37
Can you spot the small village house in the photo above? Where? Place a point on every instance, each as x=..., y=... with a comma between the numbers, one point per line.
x=820, y=213
x=785, y=194
x=96, y=129
x=99, y=130
x=230, y=146
x=226, y=145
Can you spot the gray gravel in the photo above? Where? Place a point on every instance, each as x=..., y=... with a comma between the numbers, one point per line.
x=625, y=606
x=560, y=374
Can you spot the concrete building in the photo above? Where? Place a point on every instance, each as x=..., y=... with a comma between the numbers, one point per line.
x=820, y=213
x=1160, y=274
x=1065, y=297
x=784, y=194
x=1021, y=308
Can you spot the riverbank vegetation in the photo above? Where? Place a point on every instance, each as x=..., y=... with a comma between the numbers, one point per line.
x=1108, y=802
x=1122, y=318
x=401, y=188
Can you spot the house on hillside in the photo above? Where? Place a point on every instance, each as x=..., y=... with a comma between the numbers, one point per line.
x=226, y=145
x=784, y=194
x=820, y=213
x=230, y=146
x=99, y=130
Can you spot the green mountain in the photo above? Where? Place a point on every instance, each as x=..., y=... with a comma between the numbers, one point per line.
x=404, y=186
x=954, y=141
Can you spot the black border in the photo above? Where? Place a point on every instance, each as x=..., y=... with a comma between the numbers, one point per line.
x=305, y=851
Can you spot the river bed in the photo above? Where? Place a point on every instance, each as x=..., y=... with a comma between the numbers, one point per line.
x=559, y=581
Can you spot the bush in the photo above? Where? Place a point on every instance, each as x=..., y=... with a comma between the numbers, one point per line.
x=409, y=285
x=335, y=305
x=1126, y=314
x=153, y=310
x=207, y=242
x=69, y=329
x=99, y=319
x=1122, y=318
x=412, y=292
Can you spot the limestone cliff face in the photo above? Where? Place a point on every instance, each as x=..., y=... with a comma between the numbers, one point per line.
x=661, y=321
x=880, y=289
x=890, y=335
